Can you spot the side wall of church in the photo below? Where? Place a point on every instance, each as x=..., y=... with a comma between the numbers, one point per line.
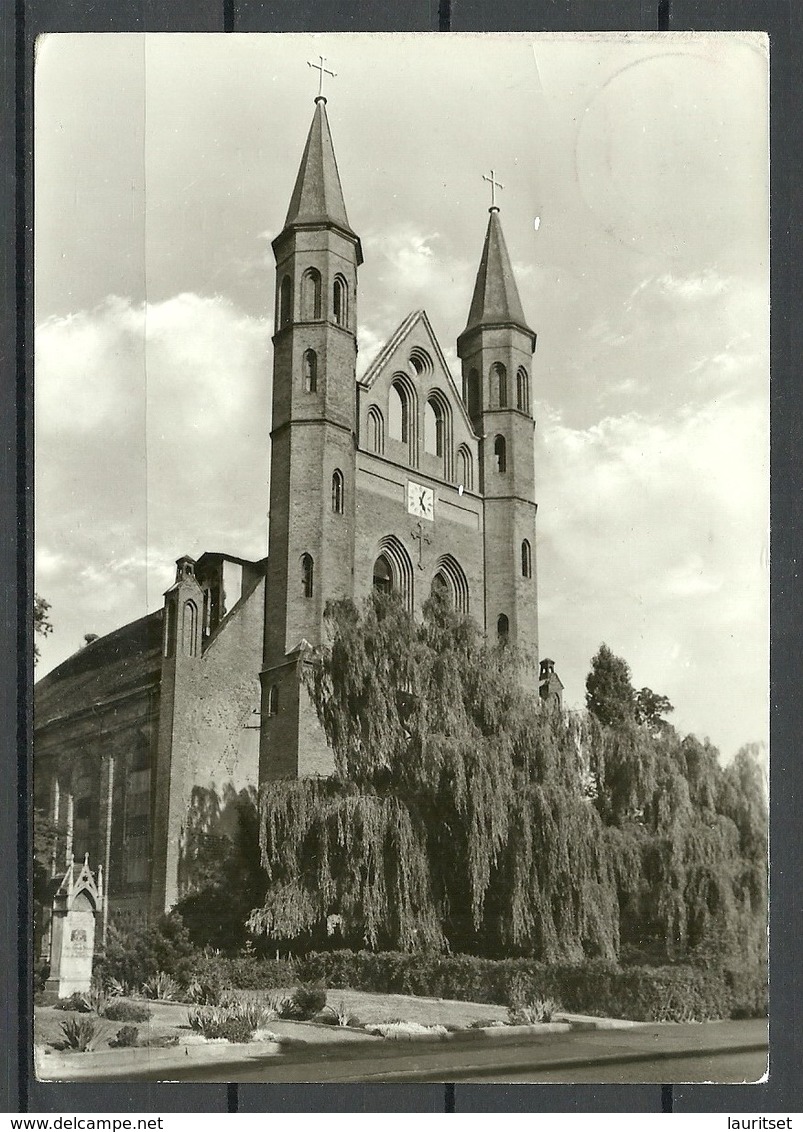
x=211, y=750
x=93, y=778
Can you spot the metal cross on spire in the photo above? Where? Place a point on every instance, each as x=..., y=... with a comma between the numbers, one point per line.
x=322, y=71
x=494, y=186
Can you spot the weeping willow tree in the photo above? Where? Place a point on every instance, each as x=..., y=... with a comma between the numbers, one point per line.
x=462, y=814
x=455, y=815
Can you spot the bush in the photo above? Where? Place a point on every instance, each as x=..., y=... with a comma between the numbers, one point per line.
x=97, y=997
x=599, y=987
x=41, y=973
x=305, y=1002
x=78, y=1001
x=116, y=989
x=250, y=972
x=204, y=992
x=235, y=1023
x=339, y=1015
x=45, y=998
x=126, y=1036
x=524, y=1008
x=161, y=986
x=137, y=956
x=78, y=1033
x=127, y=1012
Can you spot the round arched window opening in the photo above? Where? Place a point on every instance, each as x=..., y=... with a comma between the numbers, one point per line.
x=500, y=454
x=502, y=629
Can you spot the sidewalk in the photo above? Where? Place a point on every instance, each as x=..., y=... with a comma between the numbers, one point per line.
x=329, y=1052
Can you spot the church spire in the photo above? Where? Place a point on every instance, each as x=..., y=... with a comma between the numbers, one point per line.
x=317, y=197
x=496, y=299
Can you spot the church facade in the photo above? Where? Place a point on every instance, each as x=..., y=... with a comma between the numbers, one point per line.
x=407, y=478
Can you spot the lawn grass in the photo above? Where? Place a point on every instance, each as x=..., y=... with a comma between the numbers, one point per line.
x=168, y=1018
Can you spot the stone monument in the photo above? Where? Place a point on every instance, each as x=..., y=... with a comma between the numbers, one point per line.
x=76, y=905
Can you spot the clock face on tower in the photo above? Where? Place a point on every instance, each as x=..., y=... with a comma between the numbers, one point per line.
x=420, y=501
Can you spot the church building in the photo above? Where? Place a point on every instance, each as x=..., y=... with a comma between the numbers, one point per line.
x=406, y=478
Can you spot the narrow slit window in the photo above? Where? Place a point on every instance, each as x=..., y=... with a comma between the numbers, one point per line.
x=307, y=575
x=285, y=303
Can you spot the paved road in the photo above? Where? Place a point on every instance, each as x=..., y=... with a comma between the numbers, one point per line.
x=716, y=1051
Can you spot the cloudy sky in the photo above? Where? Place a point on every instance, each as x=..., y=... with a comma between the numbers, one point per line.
x=635, y=209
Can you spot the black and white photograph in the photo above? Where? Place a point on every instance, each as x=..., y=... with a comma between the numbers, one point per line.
x=401, y=701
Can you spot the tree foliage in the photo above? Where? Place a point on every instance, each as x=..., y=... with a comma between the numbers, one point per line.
x=461, y=815
x=650, y=709
x=609, y=693
x=41, y=621
x=221, y=871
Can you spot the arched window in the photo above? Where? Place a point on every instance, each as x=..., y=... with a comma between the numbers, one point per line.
x=376, y=430
x=307, y=575
x=471, y=393
x=500, y=454
x=337, y=491
x=285, y=302
x=311, y=294
x=433, y=427
x=526, y=560
x=399, y=413
x=451, y=582
x=499, y=385
x=502, y=628
x=522, y=390
x=393, y=571
x=465, y=468
x=310, y=371
x=189, y=624
x=383, y=575
x=273, y=700
x=341, y=301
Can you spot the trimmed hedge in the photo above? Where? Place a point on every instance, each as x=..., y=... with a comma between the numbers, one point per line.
x=245, y=972
x=657, y=994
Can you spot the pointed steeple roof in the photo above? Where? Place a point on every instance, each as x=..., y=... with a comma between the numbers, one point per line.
x=496, y=297
x=317, y=197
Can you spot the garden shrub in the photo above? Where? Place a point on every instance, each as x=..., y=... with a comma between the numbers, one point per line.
x=206, y=991
x=45, y=998
x=526, y=1008
x=41, y=973
x=138, y=955
x=161, y=986
x=77, y=1001
x=231, y=1023
x=119, y=1011
x=598, y=987
x=306, y=1001
x=126, y=1036
x=78, y=1033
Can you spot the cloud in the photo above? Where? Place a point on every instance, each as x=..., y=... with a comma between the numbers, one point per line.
x=152, y=440
x=653, y=538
